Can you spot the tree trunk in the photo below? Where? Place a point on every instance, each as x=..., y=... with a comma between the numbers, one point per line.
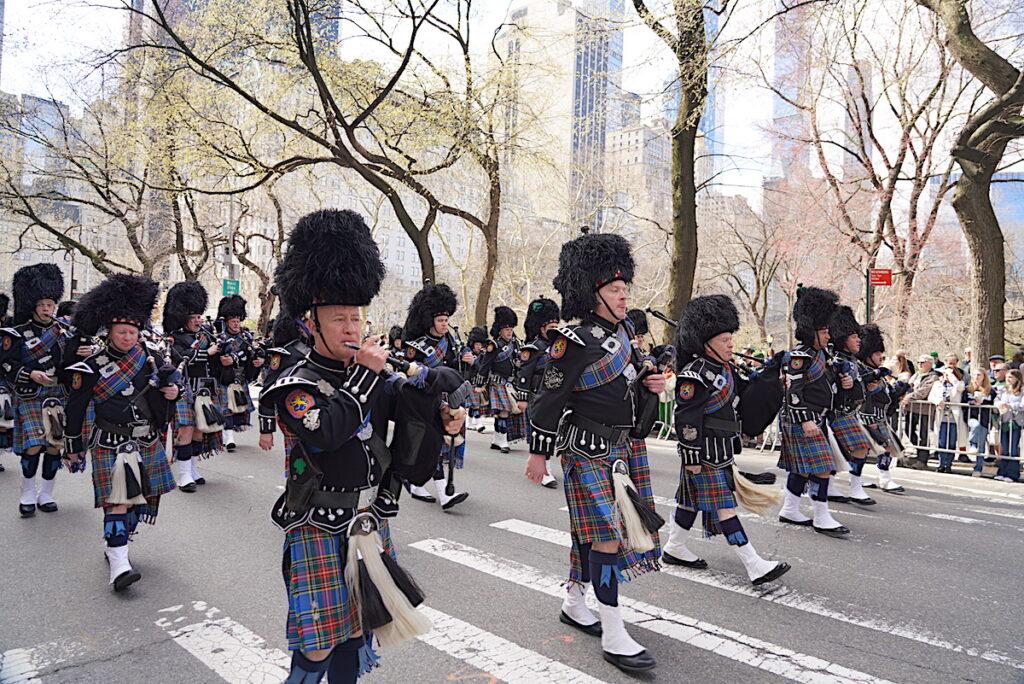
x=684, y=207
x=483, y=296
x=422, y=243
x=267, y=299
x=988, y=278
x=904, y=295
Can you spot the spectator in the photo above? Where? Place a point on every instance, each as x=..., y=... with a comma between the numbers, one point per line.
x=919, y=411
x=947, y=389
x=936, y=364
x=901, y=368
x=998, y=376
x=993, y=362
x=1017, y=360
x=967, y=362
x=980, y=393
x=1010, y=403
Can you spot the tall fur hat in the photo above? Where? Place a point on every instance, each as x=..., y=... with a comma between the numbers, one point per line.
x=639, y=320
x=183, y=300
x=232, y=306
x=121, y=298
x=540, y=312
x=5, y=303
x=477, y=334
x=66, y=308
x=331, y=259
x=33, y=283
x=430, y=302
x=285, y=330
x=504, y=317
x=703, y=318
x=870, y=341
x=813, y=311
x=587, y=264
x=394, y=334
x=842, y=324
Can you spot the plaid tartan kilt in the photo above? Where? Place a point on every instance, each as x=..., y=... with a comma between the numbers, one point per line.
x=593, y=514
x=500, y=399
x=185, y=409
x=234, y=421
x=185, y=416
x=518, y=426
x=155, y=470
x=709, y=490
x=321, y=613
x=460, y=451
x=850, y=435
x=804, y=455
x=478, y=400
x=28, y=420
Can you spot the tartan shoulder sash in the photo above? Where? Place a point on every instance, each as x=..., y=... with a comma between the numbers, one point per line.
x=609, y=366
x=117, y=375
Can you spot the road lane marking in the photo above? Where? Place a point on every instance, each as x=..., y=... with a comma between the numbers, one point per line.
x=26, y=665
x=727, y=643
x=779, y=595
x=965, y=520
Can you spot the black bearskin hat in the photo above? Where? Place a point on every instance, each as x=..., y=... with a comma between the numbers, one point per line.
x=477, y=334
x=587, y=264
x=66, y=308
x=183, y=300
x=121, y=298
x=540, y=312
x=813, y=311
x=394, y=334
x=331, y=259
x=33, y=283
x=842, y=325
x=232, y=306
x=285, y=330
x=5, y=302
x=870, y=341
x=703, y=318
x=430, y=302
x=639, y=320
x=504, y=317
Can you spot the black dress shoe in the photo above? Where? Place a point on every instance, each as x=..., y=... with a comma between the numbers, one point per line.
x=592, y=630
x=836, y=532
x=866, y=501
x=481, y=429
x=27, y=510
x=504, y=450
x=553, y=484
x=801, y=523
x=775, y=573
x=895, y=490
x=428, y=499
x=838, y=498
x=200, y=480
x=455, y=501
x=669, y=559
x=1, y=467
x=189, y=488
x=495, y=446
x=641, y=662
x=49, y=507
x=230, y=446
x=126, y=579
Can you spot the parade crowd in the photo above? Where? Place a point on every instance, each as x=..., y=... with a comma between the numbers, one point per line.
x=367, y=419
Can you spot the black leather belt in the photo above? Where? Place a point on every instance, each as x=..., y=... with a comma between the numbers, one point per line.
x=325, y=499
x=722, y=425
x=614, y=435
x=135, y=430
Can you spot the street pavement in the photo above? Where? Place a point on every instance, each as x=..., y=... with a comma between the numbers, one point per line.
x=927, y=588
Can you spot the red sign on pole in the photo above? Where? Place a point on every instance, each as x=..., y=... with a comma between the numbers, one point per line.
x=880, y=277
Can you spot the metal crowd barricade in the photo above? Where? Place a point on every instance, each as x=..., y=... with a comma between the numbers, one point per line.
x=918, y=429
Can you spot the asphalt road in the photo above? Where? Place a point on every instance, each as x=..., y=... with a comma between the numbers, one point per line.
x=927, y=588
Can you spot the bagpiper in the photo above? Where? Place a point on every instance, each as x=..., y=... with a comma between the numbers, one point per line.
x=810, y=387
x=499, y=363
x=844, y=420
x=240, y=362
x=289, y=345
x=343, y=582
x=585, y=413
x=198, y=421
x=542, y=318
x=129, y=387
x=476, y=343
x=874, y=409
x=708, y=390
x=6, y=398
x=428, y=340
x=32, y=350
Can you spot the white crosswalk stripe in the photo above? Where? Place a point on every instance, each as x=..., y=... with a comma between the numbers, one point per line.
x=25, y=665
x=782, y=596
x=727, y=643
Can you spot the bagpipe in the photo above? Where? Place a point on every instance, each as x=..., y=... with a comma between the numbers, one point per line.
x=646, y=401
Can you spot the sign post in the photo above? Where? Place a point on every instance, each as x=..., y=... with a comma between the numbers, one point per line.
x=874, y=277
x=231, y=287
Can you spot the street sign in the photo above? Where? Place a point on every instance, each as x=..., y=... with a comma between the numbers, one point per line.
x=880, y=277
x=231, y=287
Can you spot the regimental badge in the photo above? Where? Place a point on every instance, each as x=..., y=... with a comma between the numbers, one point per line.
x=299, y=402
x=102, y=359
x=325, y=388
x=311, y=421
x=553, y=377
x=275, y=361
x=525, y=355
x=7, y=342
x=558, y=348
x=689, y=433
x=794, y=399
x=598, y=332
x=796, y=364
x=76, y=379
x=686, y=391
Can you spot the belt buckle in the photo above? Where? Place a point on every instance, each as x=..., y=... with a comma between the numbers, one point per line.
x=140, y=430
x=366, y=497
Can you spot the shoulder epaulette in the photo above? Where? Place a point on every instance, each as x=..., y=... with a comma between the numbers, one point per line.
x=569, y=333
x=81, y=367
